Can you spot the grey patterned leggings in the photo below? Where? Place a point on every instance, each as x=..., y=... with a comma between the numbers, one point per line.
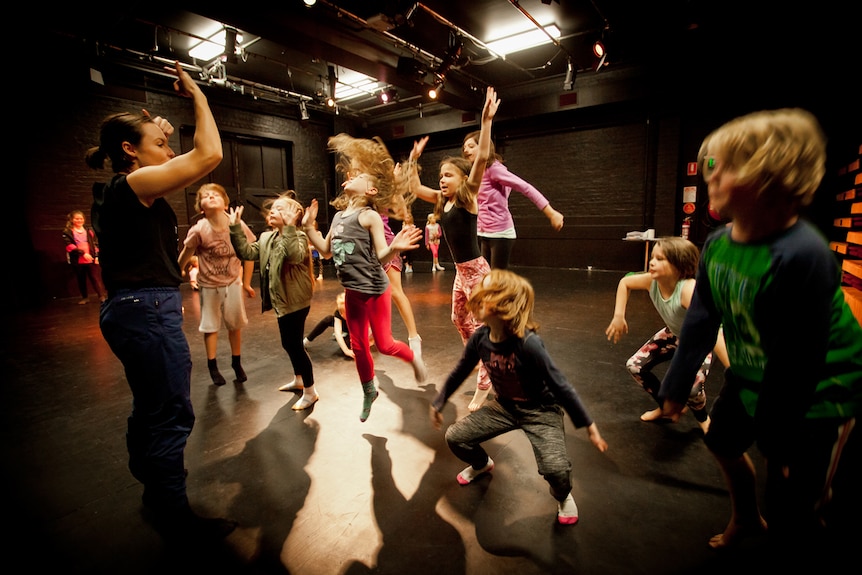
x=543, y=425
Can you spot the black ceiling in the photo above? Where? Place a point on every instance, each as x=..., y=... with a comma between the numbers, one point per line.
x=290, y=51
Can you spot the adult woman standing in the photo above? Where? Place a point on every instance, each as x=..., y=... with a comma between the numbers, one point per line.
x=142, y=319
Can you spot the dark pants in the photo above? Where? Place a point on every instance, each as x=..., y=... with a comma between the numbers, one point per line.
x=496, y=251
x=543, y=425
x=92, y=272
x=144, y=329
x=291, y=328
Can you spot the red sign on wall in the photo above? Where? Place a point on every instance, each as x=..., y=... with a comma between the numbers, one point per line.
x=692, y=169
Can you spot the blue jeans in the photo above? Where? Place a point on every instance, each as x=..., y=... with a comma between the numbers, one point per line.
x=144, y=328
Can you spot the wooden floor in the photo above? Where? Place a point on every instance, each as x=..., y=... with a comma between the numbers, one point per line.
x=318, y=492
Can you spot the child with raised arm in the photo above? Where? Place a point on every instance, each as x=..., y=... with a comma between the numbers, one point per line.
x=456, y=209
x=222, y=278
x=770, y=281
x=531, y=392
x=670, y=283
x=496, y=227
x=286, y=283
x=356, y=242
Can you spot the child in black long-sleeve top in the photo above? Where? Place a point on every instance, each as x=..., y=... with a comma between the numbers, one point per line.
x=531, y=392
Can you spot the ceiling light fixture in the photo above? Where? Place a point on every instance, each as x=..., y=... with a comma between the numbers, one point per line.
x=303, y=110
x=452, y=56
x=208, y=49
x=435, y=90
x=523, y=40
x=599, y=49
x=310, y=3
x=225, y=42
x=569, y=82
x=388, y=95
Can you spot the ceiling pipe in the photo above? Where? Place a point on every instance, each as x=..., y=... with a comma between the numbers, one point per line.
x=472, y=38
x=235, y=84
x=432, y=61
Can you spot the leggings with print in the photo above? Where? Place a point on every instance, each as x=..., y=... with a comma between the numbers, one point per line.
x=467, y=277
x=659, y=349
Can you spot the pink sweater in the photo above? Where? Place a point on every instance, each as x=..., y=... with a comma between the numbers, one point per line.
x=497, y=183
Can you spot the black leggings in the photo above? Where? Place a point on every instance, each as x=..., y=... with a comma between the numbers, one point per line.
x=291, y=328
x=496, y=251
x=83, y=272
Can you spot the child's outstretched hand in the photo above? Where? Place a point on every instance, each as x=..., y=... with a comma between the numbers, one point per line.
x=418, y=148
x=436, y=419
x=407, y=239
x=309, y=216
x=491, y=104
x=234, y=215
x=596, y=438
x=617, y=328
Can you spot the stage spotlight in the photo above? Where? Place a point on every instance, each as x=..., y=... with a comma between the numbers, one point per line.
x=434, y=91
x=388, y=95
x=599, y=49
x=303, y=110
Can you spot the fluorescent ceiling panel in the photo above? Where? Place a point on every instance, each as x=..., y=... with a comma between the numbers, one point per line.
x=524, y=40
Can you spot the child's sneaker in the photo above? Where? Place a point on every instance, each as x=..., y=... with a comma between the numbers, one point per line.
x=567, y=513
x=469, y=474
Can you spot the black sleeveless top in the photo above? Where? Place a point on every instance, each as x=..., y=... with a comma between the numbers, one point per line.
x=459, y=231
x=139, y=245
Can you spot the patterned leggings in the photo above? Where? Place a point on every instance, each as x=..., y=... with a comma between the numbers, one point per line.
x=467, y=277
x=659, y=349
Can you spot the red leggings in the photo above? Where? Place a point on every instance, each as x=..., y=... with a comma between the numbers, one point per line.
x=364, y=310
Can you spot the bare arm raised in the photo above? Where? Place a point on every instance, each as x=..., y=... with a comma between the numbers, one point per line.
x=156, y=170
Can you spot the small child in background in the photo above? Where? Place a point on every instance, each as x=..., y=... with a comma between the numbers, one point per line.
x=670, y=283
x=432, y=241
x=530, y=390
x=286, y=283
x=407, y=257
x=82, y=252
x=338, y=322
x=222, y=278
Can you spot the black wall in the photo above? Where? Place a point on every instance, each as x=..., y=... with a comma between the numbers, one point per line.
x=609, y=169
